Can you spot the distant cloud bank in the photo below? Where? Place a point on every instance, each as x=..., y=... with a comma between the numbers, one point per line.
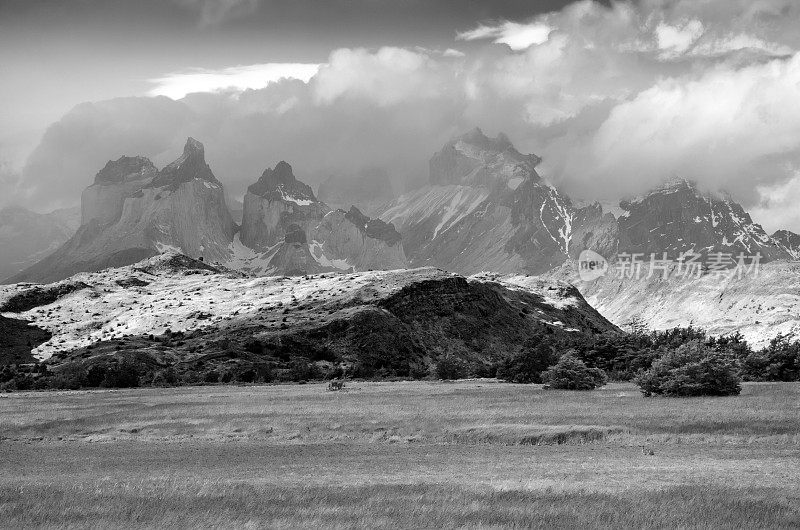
x=177, y=85
x=614, y=98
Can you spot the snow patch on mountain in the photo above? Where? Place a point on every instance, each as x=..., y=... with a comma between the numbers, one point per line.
x=318, y=253
x=246, y=259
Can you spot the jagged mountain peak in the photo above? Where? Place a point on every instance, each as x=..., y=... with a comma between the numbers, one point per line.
x=125, y=169
x=678, y=217
x=788, y=241
x=194, y=152
x=677, y=184
x=193, y=146
x=474, y=159
x=280, y=183
x=190, y=165
x=478, y=138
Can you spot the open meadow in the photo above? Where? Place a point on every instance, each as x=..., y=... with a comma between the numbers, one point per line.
x=411, y=454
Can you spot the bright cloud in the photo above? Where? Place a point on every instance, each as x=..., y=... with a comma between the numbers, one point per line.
x=517, y=36
x=177, y=84
x=675, y=40
x=386, y=77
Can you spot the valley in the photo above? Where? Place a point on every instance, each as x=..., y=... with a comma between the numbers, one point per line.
x=468, y=453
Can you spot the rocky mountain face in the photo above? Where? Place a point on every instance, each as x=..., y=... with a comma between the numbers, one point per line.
x=789, y=242
x=277, y=204
x=678, y=218
x=486, y=208
x=133, y=211
x=119, y=179
x=295, y=233
x=26, y=237
x=170, y=310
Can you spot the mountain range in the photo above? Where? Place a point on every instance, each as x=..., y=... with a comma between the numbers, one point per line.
x=134, y=211
x=485, y=208
x=26, y=237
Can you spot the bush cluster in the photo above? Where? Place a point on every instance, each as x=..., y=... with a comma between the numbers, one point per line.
x=570, y=373
x=676, y=362
x=693, y=369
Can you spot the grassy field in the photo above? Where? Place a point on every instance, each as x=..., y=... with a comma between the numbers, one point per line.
x=408, y=454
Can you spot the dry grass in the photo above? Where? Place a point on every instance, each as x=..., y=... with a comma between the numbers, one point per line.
x=168, y=504
x=419, y=454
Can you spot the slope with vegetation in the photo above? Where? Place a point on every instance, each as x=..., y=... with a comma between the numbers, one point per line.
x=174, y=319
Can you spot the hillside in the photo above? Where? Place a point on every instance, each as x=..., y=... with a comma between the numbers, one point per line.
x=173, y=310
x=758, y=306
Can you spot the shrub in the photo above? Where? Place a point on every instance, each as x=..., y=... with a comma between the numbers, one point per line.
x=246, y=376
x=165, y=377
x=780, y=361
x=20, y=382
x=569, y=373
x=693, y=369
x=450, y=367
x=527, y=365
x=122, y=375
x=71, y=377
x=302, y=370
x=95, y=376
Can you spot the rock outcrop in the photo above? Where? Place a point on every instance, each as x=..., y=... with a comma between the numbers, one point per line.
x=789, y=242
x=298, y=234
x=119, y=179
x=351, y=239
x=677, y=218
x=132, y=212
x=276, y=202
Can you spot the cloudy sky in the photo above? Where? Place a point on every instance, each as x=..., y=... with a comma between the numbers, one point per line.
x=615, y=97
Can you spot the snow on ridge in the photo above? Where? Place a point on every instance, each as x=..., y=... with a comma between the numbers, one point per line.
x=297, y=201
